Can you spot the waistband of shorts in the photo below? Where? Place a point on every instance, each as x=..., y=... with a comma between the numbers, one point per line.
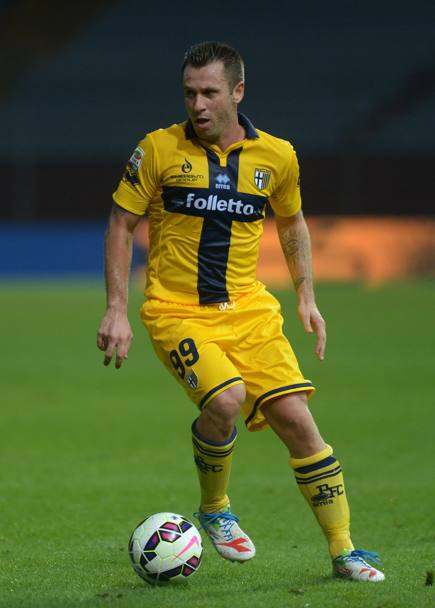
x=221, y=306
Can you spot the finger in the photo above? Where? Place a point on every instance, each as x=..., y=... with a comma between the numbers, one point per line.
x=109, y=352
x=122, y=352
x=101, y=341
x=120, y=357
x=119, y=360
x=321, y=339
x=307, y=324
x=321, y=346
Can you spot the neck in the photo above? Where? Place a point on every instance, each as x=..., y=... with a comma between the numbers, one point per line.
x=232, y=136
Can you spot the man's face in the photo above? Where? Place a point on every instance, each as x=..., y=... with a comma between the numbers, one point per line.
x=210, y=103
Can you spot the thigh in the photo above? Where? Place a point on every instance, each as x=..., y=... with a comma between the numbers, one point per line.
x=265, y=358
x=188, y=341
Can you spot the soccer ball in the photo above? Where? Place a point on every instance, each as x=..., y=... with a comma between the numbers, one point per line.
x=165, y=547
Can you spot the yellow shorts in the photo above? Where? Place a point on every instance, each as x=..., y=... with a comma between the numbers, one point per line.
x=210, y=348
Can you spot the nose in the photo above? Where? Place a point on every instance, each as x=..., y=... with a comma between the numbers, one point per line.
x=199, y=104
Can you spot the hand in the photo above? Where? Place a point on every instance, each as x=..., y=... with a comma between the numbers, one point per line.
x=313, y=321
x=114, y=334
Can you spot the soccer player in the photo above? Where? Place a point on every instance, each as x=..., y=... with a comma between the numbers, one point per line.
x=205, y=185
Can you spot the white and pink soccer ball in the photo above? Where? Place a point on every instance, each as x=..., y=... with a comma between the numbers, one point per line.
x=164, y=548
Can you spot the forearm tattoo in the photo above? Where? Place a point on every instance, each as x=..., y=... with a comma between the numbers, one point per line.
x=296, y=247
x=290, y=246
x=298, y=282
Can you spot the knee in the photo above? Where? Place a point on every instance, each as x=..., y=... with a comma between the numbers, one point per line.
x=292, y=421
x=290, y=413
x=224, y=409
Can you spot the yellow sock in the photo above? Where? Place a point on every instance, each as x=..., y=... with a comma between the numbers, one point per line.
x=320, y=481
x=213, y=463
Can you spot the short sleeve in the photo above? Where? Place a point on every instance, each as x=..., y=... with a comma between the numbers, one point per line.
x=286, y=198
x=140, y=181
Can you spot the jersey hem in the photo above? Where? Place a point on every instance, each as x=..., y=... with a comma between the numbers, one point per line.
x=237, y=298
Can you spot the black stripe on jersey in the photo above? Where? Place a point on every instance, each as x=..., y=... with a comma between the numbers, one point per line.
x=213, y=250
x=214, y=245
x=232, y=168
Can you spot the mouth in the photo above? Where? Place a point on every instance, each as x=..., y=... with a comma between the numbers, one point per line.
x=202, y=123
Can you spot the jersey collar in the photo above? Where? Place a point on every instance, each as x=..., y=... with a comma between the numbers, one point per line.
x=251, y=132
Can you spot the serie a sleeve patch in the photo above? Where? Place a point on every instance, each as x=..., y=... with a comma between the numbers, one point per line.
x=136, y=159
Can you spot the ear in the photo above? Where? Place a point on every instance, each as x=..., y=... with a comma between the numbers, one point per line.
x=238, y=92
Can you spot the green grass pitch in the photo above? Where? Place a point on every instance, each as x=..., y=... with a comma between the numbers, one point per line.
x=87, y=452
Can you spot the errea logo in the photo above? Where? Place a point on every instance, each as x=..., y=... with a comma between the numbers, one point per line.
x=213, y=203
x=222, y=182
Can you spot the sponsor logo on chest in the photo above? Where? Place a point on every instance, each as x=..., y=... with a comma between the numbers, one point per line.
x=214, y=203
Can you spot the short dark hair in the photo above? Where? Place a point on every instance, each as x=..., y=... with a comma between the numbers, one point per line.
x=203, y=53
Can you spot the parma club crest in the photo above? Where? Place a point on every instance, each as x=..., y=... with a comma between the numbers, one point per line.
x=192, y=380
x=262, y=178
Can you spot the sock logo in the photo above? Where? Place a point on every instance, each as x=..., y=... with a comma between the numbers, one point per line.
x=326, y=494
x=205, y=467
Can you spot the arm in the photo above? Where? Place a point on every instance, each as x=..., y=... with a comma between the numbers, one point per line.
x=295, y=242
x=115, y=331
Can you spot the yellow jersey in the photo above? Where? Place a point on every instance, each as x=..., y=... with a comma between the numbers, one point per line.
x=206, y=208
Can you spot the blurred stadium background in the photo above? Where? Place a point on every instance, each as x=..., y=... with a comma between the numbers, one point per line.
x=353, y=87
